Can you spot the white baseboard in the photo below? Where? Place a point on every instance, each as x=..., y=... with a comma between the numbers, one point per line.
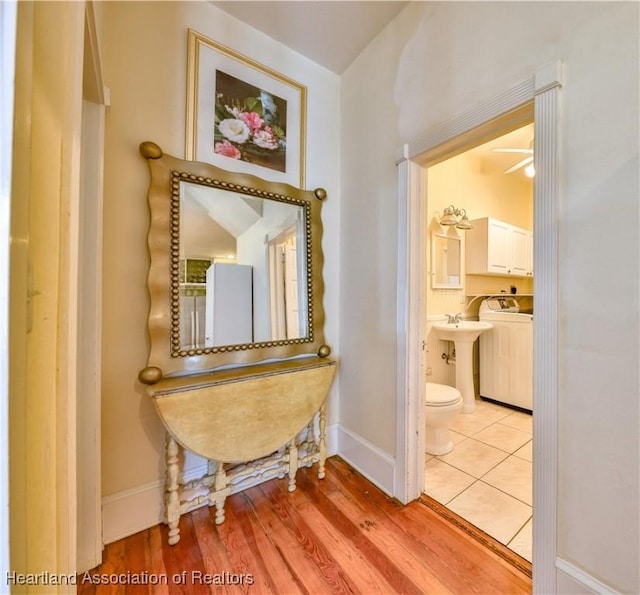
x=129, y=511
x=571, y=580
x=376, y=465
x=332, y=440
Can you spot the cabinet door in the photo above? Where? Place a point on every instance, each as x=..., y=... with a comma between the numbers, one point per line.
x=530, y=254
x=498, y=249
x=520, y=252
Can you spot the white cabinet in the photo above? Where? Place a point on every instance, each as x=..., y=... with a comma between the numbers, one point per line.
x=497, y=248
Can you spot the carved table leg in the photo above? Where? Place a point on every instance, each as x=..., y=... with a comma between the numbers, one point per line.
x=322, y=442
x=221, y=493
x=293, y=465
x=172, y=499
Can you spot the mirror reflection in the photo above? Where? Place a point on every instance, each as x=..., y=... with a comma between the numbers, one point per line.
x=242, y=268
x=446, y=262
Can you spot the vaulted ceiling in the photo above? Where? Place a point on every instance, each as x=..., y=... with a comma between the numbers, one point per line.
x=331, y=33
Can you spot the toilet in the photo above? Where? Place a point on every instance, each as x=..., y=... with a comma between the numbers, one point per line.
x=442, y=404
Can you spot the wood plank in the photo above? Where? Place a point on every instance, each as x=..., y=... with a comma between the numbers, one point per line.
x=212, y=548
x=183, y=561
x=114, y=564
x=274, y=557
x=511, y=558
x=244, y=556
x=402, y=552
x=134, y=552
x=337, y=535
x=311, y=563
x=271, y=574
x=343, y=547
x=466, y=562
x=155, y=561
x=475, y=569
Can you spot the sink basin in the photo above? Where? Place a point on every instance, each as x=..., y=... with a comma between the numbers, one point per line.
x=465, y=330
x=463, y=334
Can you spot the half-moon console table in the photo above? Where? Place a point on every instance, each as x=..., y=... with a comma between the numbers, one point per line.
x=252, y=424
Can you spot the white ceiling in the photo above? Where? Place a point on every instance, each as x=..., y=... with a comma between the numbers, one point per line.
x=520, y=138
x=331, y=32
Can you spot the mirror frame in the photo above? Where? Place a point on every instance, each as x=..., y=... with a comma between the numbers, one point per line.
x=434, y=260
x=166, y=357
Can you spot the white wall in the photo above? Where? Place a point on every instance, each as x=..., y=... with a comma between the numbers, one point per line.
x=145, y=67
x=434, y=62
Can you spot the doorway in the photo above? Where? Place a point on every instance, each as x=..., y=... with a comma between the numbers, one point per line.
x=284, y=286
x=535, y=98
x=486, y=479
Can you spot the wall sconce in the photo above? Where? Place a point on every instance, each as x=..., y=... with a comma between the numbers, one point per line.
x=450, y=217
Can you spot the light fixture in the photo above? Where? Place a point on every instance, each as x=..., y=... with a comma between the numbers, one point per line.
x=530, y=170
x=457, y=217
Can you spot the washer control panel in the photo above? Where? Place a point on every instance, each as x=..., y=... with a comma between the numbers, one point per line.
x=499, y=304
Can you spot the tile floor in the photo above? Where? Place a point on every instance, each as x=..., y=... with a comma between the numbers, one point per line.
x=487, y=477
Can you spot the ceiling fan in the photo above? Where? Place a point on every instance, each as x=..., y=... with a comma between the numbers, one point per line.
x=527, y=162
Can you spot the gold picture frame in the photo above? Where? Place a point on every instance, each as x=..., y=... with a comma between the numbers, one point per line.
x=243, y=116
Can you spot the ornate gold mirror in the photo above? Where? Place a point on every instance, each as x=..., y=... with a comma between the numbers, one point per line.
x=236, y=268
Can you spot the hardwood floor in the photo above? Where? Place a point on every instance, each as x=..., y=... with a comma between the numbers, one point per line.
x=336, y=535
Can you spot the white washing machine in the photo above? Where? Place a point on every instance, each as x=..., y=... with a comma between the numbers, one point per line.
x=506, y=353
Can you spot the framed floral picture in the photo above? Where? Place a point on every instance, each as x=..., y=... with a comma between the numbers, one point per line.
x=243, y=116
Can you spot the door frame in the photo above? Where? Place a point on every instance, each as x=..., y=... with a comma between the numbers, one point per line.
x=89, y=309
x=540, y=94
x=8, y=29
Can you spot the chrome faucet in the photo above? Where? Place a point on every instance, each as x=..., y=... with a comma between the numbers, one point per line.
x=454, y=318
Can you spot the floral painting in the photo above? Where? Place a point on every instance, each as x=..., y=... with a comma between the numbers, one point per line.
x=250, y=123
x=243, y=116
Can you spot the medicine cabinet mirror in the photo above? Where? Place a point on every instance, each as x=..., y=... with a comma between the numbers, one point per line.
x=236, y=268
x=446, y=260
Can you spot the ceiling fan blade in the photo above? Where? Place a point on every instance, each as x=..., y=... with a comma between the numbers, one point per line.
x=518, y=165
x=527, y=151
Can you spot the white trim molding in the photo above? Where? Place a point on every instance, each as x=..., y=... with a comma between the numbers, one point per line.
x=411, y=331
x=457, y=129
x=572, y=579
x=376, y=465
x=545, y=327
x=537, y=99
x=129, y=511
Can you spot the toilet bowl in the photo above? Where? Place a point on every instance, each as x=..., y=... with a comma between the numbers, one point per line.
x=442, y=404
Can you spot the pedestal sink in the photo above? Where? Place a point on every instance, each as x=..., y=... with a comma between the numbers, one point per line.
x=463, y=334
